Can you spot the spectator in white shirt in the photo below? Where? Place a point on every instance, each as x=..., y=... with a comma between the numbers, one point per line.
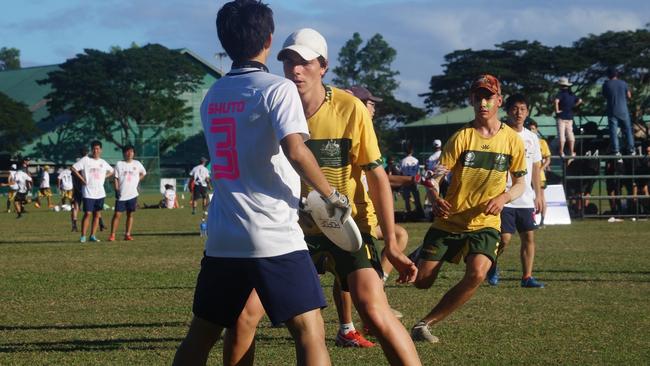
x=128, y=174
x=92, y=171
x=201, y=177
x=410, y=166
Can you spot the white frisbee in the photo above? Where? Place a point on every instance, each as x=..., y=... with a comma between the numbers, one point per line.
x=345, y=234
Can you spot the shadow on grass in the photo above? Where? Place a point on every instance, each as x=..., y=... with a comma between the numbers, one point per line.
x=169, y=233
x=78, y=345
x=92, y=326
x=39, y=241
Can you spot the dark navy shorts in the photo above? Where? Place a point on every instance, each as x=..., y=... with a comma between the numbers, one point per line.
x=128, y=205
x=287, y=286
x=199, y=192
x=517, y=220
x=93, y=205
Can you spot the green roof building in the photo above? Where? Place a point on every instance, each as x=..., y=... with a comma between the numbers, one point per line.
x=22, y=85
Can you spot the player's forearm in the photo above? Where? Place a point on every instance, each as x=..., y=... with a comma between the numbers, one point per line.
x=382, y=199
x=517, y=189
x=305, y=164
x=537, y=179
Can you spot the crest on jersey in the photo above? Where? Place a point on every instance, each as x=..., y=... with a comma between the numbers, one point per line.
x=500, y=162
x=469, y=158
x=331, y=148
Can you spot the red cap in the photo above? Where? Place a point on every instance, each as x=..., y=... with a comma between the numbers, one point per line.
x=487, y=82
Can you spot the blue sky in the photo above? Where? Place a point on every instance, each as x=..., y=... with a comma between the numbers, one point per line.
x=422, y=32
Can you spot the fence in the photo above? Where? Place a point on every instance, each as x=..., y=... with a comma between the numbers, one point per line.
x=595, y=185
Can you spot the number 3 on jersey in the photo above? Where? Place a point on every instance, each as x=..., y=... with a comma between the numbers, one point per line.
x=225, y=164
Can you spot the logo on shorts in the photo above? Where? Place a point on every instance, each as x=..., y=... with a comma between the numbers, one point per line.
x=331, y=149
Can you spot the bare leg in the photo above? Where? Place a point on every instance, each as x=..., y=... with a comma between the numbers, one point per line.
x=115, y=222
x=96, y=217
x=343, y=302
x=477, y=266
x=370, y=300
x=129, y=222
x=198, y=342
x=427, y=273
x=84, y=224
x=239, y=341
x=308, y=332
x=527, y=253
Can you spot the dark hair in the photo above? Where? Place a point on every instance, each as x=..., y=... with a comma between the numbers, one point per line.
x=516, y=98
x=612, y=72
x=95, y=143
x=532, y=122
x=243, y=26
x=127, y=147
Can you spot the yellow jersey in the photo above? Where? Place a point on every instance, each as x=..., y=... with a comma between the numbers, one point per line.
x=479, y=169
x=546, y=154
x=343, y=140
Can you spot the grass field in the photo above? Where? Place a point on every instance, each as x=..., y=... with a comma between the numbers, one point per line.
x=66, y=303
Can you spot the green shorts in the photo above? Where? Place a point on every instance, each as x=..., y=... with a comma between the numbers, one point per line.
x=327, y=256
x=440, y=245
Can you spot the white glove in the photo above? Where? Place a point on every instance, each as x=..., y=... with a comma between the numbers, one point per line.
x=337, y=201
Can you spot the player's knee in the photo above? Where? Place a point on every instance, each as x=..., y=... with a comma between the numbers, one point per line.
x=475, y=278
x=422, y=282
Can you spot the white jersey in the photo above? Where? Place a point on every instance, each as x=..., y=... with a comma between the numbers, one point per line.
x=12, y=177
x=94, y=172
x=65, y=178
x=21, y=178
x=533, y=154
x=45, y=180
x=200, y=174
x=170, y=198
x=255, y=205
x=128, y=176
x=409, y=166
x=432, y=161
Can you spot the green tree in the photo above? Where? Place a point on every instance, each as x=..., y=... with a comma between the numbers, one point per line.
x=370, y=66
x=627, y=51
x=522, y=66
x=532, y=68
x=9, y=58
x=126, y=95
x=17, y=127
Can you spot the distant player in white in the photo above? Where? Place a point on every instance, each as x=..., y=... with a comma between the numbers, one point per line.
x=64, y=183
x=433, y=159
x=13, y=187
x=201, y=177
x=128, y=174
x=23, y=183
x=44, y=188
x=255, y=130
x=411, y=167
x=519, y=214
x=92, y=171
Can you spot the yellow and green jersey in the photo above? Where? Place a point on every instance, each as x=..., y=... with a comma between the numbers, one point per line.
x=343, y=140
x=546, y=154
x=479, y=169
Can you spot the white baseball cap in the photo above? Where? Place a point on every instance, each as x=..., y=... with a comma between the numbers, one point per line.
x=437, y=143
x=13, y=166
x=307, y=42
